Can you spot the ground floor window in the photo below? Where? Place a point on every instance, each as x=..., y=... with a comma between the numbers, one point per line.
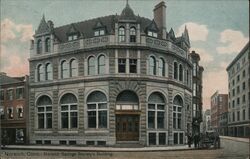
x=157, y=138
x=178, y=138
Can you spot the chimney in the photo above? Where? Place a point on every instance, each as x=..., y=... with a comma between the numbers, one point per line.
x=160, y=18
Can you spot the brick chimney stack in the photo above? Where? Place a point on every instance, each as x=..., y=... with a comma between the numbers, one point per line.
x=160, y=18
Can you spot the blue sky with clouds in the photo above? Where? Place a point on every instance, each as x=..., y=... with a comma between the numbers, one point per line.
x=218, y=29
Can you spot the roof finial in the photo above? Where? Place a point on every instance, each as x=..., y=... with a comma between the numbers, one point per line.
x=126, y=2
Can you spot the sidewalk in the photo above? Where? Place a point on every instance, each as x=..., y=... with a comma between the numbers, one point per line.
x=93, y=149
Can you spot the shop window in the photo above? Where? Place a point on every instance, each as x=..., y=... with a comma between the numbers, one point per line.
x=152, y=138
x=162, y=138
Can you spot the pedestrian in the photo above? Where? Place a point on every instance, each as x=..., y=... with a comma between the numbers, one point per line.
x=189, y=140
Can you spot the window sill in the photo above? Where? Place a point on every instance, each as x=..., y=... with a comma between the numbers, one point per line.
x=68, y=131
x=99, y=131
x=43, y=131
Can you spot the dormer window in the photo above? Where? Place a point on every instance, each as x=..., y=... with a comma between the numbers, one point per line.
x=152, y=34
x=72, y=37
x=132, y=34
x=99, y=32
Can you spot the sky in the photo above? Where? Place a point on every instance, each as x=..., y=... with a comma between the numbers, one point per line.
x=218, y=29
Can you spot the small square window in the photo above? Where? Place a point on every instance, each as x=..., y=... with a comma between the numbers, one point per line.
x=39, y=142
x=63, y=142
x=101, y=143
x=47, y=142
x=72, y=142
x=89, y=143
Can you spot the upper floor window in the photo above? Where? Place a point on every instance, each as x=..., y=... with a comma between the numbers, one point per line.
x=47, y=45
x=152, y=34
x=99, y=32
x=48, y=71
x=194, y=69
x=64, y=69
x=180, y=72
x=161, y=67
x=156, y=111
x=69, y=112
x=177, y=112
x=2, y=94
x=175, y=70
x=20, y=112
x=72, y=37
x=152, y=65
x=243, y=73
x=10, y=113
x=91, y=65
x=72, y=68
x=122, y=65
x=132, y=65
x=97, y=110
x=20, y=93
x=40, y=74
x=10, y=94
x=101, y=64
x=121, y=34
x=187, y=78
x=39, y=46
x=132, y=33
x=44, y=112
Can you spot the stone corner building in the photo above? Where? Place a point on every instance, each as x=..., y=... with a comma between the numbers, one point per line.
x=110, y=80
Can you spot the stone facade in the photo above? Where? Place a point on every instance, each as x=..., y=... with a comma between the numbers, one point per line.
x=111, y=78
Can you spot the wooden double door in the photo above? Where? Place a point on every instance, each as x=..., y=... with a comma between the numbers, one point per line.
x=127, y=127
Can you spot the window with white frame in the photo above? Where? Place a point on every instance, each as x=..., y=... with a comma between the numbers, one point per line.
x=156, y=111
x=194, y=69
x=132, y=65
x=121, y=34
x=19, y=110
x=122, y=65
x=194, y=89
x=64, y=69
x=44, y=112
x=177, y=112
x=10, y=94
x=40, y=73
x=175, y=70
x=48, y=71
x=97, y=110
x=73, y=68
x=152, y=34
x=101, y=64
x=99, y=32
x=69, y=111
x=91, y=65
x=161, y=67
x=127, y=100
x=132, y=34
x=72, y=37
x=10, y=113
x=178, y=137
x=152, y=65
x=47, y=45
x=19, y=92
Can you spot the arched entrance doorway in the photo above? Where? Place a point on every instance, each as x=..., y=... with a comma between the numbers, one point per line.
x=127, y=116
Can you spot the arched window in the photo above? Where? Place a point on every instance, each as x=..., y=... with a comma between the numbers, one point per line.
x=69, y=111
x=40, y=74
x=152, y=65
x=101, y=64
x=73, y=68
x=177, y=112
x=97, y=110
x=127, y=100
x=175, y=70
x=187, y=78
x=44, y=112
x=48, y=72
x=121, y=34
x=156, y=111
x=91, y=65
x=132, y=34
x=47, y=45
x=180, y=72
x=161, y=67
x=39, y=46
x=64, y=69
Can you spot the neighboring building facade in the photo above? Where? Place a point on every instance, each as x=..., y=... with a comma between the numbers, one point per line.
x=197, y=92
x=109, y=80
x=239, y=94
x=14, y=108
x=207, y=121
x=219, y=103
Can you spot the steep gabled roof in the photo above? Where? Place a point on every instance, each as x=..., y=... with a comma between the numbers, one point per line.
x=152, y=26
x=127, y=13
x=43, y=27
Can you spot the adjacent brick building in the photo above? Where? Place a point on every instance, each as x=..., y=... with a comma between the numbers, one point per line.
x=14, y=108
x=239, y=94
x=110, y=80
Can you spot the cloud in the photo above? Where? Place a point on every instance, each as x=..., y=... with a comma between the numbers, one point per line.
x=197, y=32
x=205, y=57
x=11, y=30
x=234, y=41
